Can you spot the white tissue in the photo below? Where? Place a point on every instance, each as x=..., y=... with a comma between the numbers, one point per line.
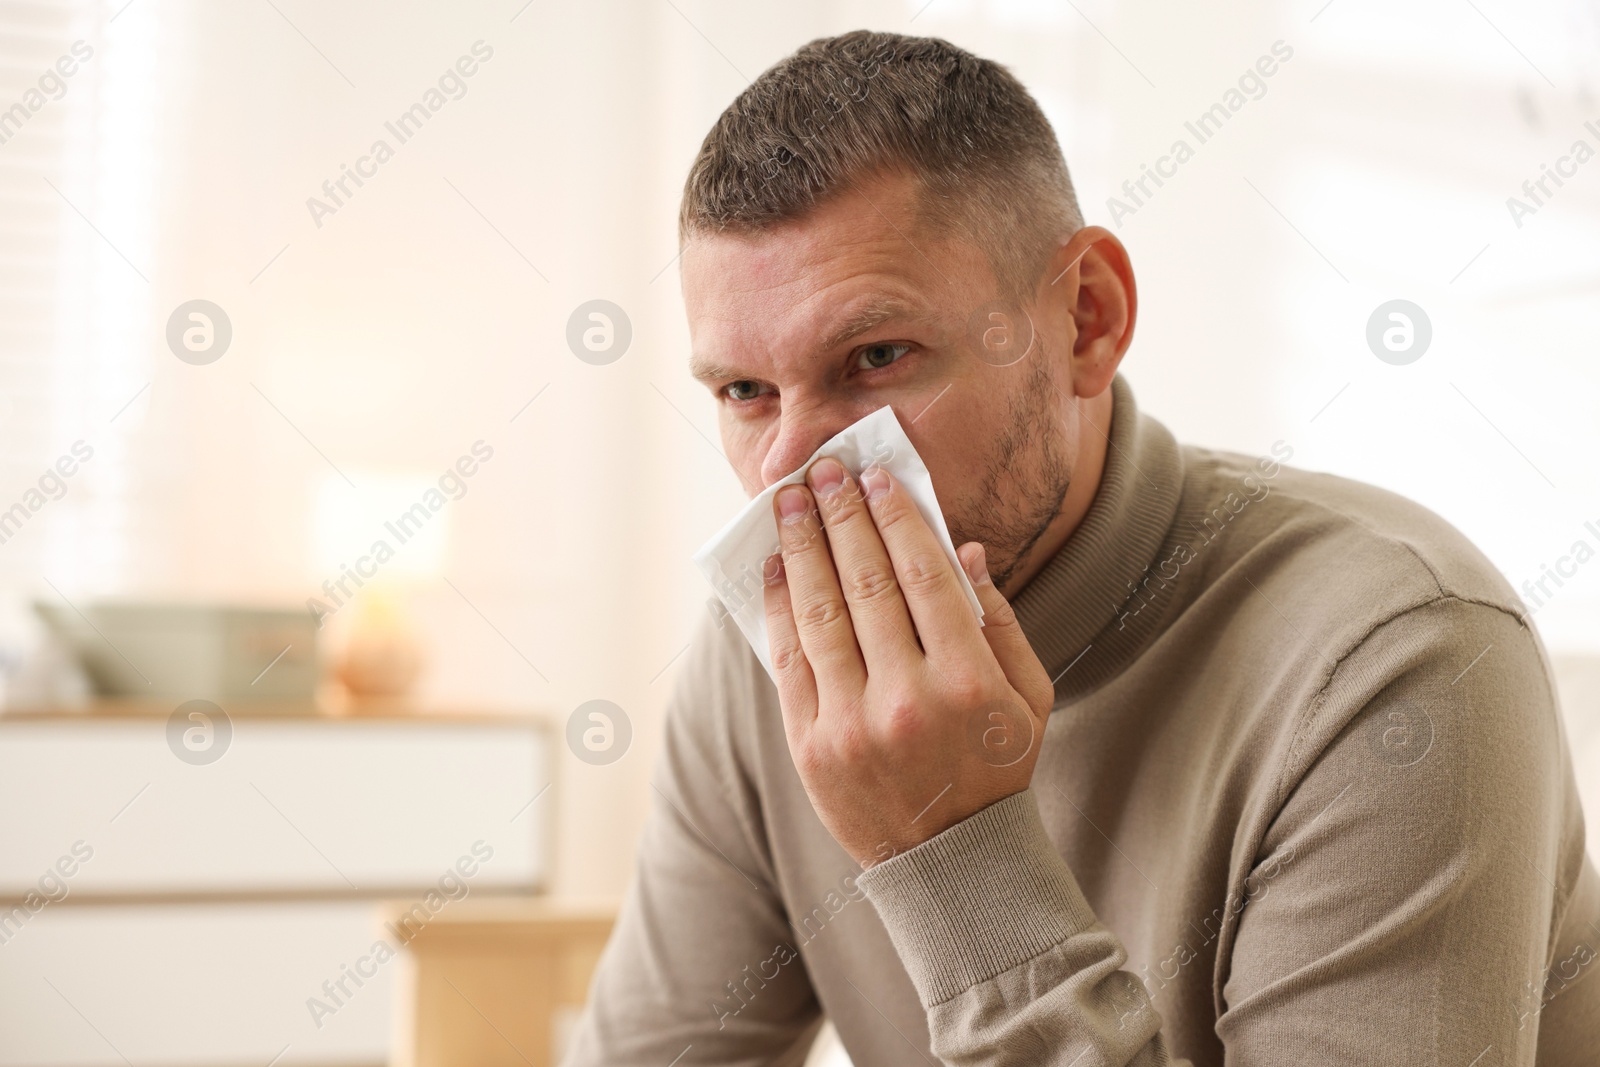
x=732, y=561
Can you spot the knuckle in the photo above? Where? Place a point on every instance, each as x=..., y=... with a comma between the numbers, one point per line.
x=872, y=583
x=925, y=573
x=820, y=613
x=846, y=505
x=1001, y=615
x=808, y=759
x=844, y=519
x=802, y=533
x=901, y=718
x=786, y=656
x=890, y=511
x=851, y=746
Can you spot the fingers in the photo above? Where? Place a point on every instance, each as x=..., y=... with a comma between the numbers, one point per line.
x=1004, y=634
x=865, y=572
x=797, y=686
x=928, y=582
x=821, y=618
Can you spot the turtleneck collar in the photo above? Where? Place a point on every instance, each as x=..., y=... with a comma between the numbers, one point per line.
x=1067, y=608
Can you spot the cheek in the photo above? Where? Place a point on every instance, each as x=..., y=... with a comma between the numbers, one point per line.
x=950, y=454
x=958, y=428
x=745, y=443
x=989, y=426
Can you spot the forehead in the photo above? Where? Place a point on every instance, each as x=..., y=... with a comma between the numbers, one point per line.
x=792, y=287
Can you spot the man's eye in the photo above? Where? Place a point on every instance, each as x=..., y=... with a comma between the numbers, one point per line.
x=743, y=390
x=873, y=356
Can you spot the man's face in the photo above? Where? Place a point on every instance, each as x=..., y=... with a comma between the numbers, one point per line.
x=802, y=329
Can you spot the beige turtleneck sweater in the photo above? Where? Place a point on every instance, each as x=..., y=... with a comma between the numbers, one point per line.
x=1304, y=798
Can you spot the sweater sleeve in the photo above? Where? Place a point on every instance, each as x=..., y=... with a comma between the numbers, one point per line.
x=1402, y=906
x=1007, y=956
x=1424, y=909
x=701, y=966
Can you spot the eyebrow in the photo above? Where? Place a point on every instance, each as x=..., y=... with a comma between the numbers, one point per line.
x=858, y=322
x=705, y=370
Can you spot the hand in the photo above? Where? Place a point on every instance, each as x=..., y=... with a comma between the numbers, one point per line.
x=904, y=715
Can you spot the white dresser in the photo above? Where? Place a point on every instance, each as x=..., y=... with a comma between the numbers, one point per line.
x=161, y=911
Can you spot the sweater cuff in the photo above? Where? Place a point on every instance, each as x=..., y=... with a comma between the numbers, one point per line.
x=982, y=897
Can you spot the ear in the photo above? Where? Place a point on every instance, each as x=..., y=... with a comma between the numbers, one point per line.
x=1089, y=289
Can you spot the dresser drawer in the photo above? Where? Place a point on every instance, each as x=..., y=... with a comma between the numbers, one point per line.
x=207, y=985
x=293, y=806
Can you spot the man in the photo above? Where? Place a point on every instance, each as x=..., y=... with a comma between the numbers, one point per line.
x=1245, y=765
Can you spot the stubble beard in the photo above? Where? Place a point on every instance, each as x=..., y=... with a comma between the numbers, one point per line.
x=1026, y=477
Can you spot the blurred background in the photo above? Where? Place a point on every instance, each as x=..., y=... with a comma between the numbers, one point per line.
x=241, y=346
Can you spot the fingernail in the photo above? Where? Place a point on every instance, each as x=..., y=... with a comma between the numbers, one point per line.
x=826, y=476
x=772, y=570
x=792, y=503
x=875, y=480
x=978, y=568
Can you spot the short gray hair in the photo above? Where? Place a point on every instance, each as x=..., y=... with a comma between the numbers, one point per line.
x=844, y=108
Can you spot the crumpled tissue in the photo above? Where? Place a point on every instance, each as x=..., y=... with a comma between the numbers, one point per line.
x=732, y=561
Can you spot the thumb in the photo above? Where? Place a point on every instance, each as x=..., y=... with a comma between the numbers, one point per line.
x=1006, y=640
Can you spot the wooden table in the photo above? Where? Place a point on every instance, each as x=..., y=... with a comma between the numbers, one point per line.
x=495, y=981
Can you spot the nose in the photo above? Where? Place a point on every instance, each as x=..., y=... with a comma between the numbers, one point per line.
x=801, y=431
